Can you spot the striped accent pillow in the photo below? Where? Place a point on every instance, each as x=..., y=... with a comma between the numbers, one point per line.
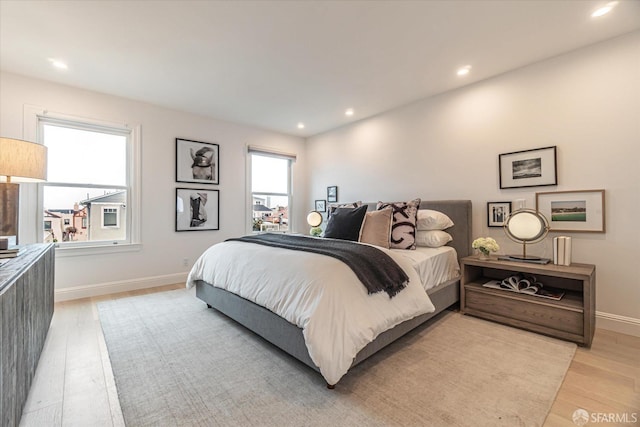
x=403, y=228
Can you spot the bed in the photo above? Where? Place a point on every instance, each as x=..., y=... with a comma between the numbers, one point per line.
x=290, y=337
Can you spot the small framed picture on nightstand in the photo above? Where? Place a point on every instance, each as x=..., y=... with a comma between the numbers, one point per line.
x=497, y=213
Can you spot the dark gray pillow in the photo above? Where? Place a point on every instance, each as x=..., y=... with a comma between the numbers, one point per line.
x=334, y=206
x=345, y=223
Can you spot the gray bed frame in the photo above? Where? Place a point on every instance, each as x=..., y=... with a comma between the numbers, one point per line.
x=288, y=336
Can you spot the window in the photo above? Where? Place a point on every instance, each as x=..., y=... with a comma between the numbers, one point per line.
x=90, y=178
x=109, y=217
x=270, y=178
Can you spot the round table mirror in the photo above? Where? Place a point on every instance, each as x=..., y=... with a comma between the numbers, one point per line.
x=526, y=226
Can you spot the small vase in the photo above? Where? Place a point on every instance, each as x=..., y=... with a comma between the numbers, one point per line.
x=484, y=256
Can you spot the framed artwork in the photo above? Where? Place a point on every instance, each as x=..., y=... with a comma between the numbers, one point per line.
x=573, y=210
x=332, y=194
x=321, y=205
x=497, y=213
x=197, y=209
x=529, y=168
x=197, y=162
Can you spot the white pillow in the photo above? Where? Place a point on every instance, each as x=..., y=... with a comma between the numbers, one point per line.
x=432, y=238
x=432, y=220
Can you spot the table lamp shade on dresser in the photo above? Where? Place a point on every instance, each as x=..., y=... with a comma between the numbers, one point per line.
x=20, y=161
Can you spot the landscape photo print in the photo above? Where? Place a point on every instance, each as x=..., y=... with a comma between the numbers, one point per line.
x=573, y=210
x=528, y=168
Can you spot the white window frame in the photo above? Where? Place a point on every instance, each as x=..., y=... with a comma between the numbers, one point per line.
x=262, y=151
x=34, y=118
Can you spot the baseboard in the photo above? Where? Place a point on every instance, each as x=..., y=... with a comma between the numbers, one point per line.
x=86, y=291
x=614, y=322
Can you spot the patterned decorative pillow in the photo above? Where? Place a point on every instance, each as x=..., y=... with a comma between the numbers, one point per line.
x=403, y=228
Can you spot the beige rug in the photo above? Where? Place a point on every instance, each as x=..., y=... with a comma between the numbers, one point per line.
x=177, y=363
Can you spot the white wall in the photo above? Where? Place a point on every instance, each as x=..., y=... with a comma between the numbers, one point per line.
x=586, y=102
x=160, y=259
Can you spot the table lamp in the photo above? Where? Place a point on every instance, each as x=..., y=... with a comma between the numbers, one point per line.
x=314, y=219
x=20, y=161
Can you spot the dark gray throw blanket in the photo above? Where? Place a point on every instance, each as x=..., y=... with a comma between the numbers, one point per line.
x=375, y=269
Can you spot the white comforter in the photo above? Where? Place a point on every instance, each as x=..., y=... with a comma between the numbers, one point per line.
x=318, y=293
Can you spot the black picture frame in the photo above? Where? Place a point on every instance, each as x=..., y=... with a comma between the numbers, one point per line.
x=497, y=213
x=197, y=162
x=537, y=167
x=207, y=216
x=321, y=205
x=332, y=194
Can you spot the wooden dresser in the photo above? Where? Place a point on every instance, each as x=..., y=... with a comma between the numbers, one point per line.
x=26, y=308
x=571, y=318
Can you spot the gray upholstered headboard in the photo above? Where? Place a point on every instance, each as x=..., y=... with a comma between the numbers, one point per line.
x=460, y=213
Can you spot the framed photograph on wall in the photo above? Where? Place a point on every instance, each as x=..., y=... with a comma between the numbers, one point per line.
x=497, y=213
x=197, y=162
x=573, y=210
x=197, y=209
x=529, y=168
x=332, y=194
x=321, y=205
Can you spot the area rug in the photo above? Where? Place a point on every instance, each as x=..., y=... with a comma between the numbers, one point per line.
x=178, y=363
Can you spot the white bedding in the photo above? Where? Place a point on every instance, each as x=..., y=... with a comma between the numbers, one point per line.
x=318, y=293
x=434, y=265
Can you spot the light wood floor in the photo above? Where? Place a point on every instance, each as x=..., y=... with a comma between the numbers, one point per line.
x=74, y=384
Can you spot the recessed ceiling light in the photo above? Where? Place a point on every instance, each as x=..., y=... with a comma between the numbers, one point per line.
x=604, y=9
x=463, y=71
x=58, y=64
x=300, y=125
x=349, y=112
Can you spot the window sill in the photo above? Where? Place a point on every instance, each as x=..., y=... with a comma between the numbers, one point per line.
x=72, y=251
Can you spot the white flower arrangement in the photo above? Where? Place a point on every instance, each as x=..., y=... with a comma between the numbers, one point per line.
x=485, y=245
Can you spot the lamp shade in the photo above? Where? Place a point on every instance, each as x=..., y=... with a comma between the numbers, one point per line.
x=314, y=219
x=22, y=160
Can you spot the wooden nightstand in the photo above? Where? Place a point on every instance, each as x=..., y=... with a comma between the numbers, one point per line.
x=571, y=318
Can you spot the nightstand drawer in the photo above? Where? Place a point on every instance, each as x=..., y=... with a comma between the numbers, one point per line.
x=532, y=312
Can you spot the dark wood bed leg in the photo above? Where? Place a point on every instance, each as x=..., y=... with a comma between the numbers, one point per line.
x=331, y=386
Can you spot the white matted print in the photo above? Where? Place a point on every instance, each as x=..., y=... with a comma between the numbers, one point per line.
x=573, y=210
x=197, y=209
x=197, y=162
x=497, y=213
x=528, y=168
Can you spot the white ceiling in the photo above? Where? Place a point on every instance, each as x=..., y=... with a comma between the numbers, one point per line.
x=272, y=64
